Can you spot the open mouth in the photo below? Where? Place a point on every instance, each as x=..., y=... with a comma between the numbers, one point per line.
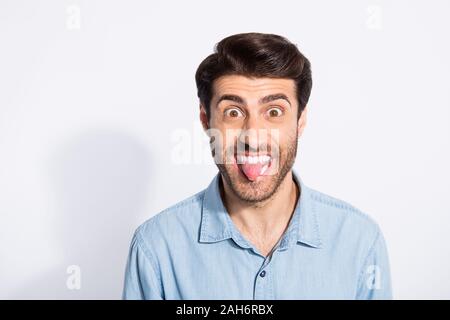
x=253, y=166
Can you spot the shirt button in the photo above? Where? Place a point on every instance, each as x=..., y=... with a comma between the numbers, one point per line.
x=263, y=273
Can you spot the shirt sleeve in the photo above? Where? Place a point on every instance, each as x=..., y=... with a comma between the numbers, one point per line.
x=141, y=279
x=375, y=278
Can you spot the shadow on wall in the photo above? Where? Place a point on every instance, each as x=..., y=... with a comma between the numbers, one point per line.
x=100, y=182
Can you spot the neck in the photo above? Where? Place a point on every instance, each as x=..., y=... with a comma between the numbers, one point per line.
x=264, y=221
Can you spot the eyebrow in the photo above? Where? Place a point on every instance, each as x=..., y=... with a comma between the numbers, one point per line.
x=273, y=97
x=266, y=99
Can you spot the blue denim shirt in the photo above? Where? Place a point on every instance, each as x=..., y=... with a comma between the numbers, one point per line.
x=193, y=250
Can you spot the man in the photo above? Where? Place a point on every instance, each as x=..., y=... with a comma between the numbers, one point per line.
x=257, y=231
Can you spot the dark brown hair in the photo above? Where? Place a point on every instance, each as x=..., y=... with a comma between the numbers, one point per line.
x=255, y=55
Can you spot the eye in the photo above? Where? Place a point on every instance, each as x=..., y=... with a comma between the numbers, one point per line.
x=233, y=113
x=274, y=112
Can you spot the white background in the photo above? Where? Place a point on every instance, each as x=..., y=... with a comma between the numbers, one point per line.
x=91, y=108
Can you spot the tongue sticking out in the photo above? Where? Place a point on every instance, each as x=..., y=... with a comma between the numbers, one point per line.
x=253, y=171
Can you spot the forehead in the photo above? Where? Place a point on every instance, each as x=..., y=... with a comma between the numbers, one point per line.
x=248, y=86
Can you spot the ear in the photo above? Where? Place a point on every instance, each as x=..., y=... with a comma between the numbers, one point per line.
x=204, y=118
x=302, y=121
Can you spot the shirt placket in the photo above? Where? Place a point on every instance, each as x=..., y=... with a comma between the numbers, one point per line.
x=264, y=278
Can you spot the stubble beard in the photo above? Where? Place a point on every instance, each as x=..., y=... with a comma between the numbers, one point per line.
x=254, y=192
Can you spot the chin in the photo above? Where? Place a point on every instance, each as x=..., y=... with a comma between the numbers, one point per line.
x=250, y=191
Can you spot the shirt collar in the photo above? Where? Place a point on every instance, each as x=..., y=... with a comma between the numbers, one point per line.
x=216, y=224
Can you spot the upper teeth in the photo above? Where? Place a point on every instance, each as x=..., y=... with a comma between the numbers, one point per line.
x=253, y=159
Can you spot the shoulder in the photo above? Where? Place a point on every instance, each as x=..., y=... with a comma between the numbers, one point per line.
x=341, y=221
x=173, y=223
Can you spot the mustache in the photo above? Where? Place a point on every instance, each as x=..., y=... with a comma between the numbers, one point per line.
x=244, y=142
x=244, y=148
x=229, y=153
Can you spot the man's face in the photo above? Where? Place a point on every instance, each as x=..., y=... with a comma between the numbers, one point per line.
x=256, y=119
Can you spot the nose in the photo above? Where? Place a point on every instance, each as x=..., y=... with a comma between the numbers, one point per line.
x=251, y=132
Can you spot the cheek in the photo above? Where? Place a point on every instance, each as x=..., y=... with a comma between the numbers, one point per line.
x=225, y=141
x=285, y=138
x=228, y=137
